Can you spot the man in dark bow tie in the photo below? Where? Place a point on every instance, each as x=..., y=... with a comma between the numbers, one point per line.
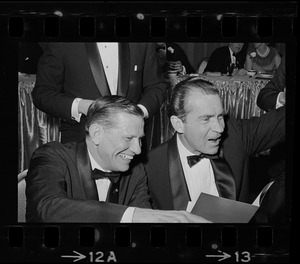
x=96, y=180
x=231, y=54
x=210, y=151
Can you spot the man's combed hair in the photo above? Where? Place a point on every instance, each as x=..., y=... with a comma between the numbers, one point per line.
x=181, y=91
x=104, y=109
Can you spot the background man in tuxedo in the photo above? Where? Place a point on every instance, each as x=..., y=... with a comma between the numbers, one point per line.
x=96, y=180
x=272, y=96
x=221, y=58
x=197, y=115
x=71, y=76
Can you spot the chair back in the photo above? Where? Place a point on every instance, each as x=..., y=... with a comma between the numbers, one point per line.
x=203, y=65
x=21, y=196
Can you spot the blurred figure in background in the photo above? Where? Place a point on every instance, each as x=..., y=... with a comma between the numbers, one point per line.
x=173, y=58
x=262, y=58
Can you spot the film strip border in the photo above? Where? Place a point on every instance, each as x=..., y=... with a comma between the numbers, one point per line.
x=134, y=22
x=193, y=22
x=145, y=243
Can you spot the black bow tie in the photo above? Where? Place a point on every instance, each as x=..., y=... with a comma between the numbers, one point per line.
x=194, y=159
x=99, y=174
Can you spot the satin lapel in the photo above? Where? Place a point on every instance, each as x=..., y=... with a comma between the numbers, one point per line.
x=179, y=188
x=84, y=170
x=124, y=69
x=97, y=68
x=124, y=189
x=224, y=178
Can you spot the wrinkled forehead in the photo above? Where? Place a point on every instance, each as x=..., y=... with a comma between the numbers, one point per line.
x=198, y=99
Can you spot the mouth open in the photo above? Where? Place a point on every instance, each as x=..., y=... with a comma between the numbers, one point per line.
x=215, y=140
x=125, y=157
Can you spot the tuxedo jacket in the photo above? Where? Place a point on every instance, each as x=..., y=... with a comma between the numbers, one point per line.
x=70, y=70
x=267, y=96
x=241, y=140
x=220, y=59
x=59, y=187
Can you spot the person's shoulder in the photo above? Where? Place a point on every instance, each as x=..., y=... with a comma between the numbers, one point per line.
x=220, y=50
x=62, y=47
x=56, y=146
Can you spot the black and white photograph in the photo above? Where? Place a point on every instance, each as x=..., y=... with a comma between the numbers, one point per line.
x=175, y=121
x=148, y=132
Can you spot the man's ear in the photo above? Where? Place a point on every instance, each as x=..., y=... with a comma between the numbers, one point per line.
x=177, y=124
x=96, y=131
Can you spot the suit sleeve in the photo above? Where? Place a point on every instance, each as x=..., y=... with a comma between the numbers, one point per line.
x=48, y=93
x=154, y=85
x=217, y=61
x=259, y=133
x=140, y=197
x=267, y=96
x=50, y=200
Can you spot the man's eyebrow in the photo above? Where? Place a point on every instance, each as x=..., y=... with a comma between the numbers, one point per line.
x=208, y=116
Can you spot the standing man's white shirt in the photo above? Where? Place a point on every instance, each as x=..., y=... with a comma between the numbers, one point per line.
x=199, y=178
x=109, y=53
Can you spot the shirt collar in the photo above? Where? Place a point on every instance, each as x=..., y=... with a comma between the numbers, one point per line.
x=183, y=151
x=94, y=163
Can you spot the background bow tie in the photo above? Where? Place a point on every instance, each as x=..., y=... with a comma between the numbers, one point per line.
x=99, y=174
x=194, y=159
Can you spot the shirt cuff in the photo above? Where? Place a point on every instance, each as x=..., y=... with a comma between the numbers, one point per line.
x=278, y=104
x=74, y=110
x=183, y=72
x=128, y=215
x=145, y=111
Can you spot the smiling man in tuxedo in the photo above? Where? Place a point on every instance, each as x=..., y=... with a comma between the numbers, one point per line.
x=210, y=151
x=70, y=76
x=96, y=180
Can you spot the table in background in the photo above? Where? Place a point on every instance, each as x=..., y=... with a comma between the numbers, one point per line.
x=35, y=128
x=238, y=94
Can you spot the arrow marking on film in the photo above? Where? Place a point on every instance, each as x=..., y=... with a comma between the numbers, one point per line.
x=223, y=256
x=78, y=257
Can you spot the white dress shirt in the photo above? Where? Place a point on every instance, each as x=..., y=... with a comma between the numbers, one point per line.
x=199, y=178
x=103, y=187
x=109, y=53
x=233, y=58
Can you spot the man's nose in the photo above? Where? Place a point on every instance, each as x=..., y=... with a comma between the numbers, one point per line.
x=218, y=126
x=136, y=146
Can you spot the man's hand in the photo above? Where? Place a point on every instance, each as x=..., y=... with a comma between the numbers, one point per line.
x=241, y=72
x=165, y=216
x=84, y=105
